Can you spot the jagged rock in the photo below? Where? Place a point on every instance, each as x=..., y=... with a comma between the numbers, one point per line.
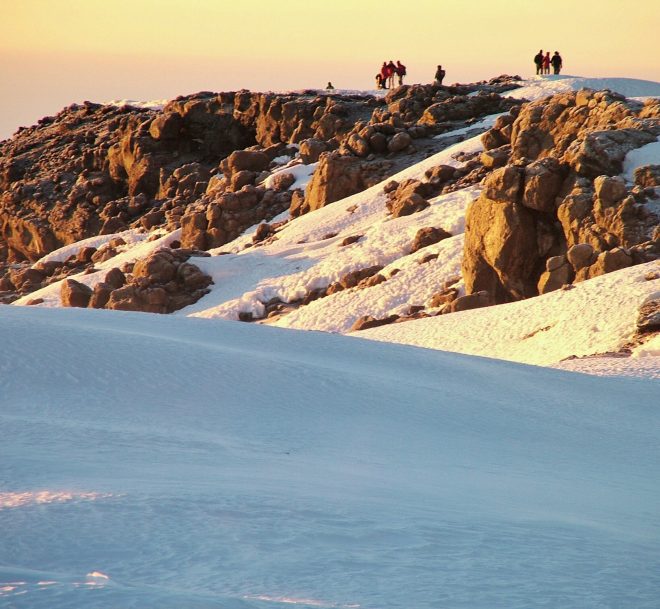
x=311, y=149
x=612, y=260
x=114, y=278
x=339, y=176
x=581, y=255
x=242, y=178
x=162, y=283
x=647, y=176
x=368, y=321
x=609, y=191
x=557, y=274
x=358, y=145
x=160, y=267
x=100, y=295
x=283, y=181
x=74, y=293
x=370, y=282
x=263, y=231
x=428, y=236
x=407, y=205
x=350, y=240
x=26, y=279
x=504, y=184
x=440, y=174
x=648, y=318
x=153, y=218
x=497, y=157
x=167, y=126
x=493, y=139
x=564, y=150
x=603, y=152
x=221, y=219
x=399, y=142
x=543, y=180
x=444, y=297
x=470, y=301
x=461, y=107
x=297, y=207
x=501, y=254
x=350, y=280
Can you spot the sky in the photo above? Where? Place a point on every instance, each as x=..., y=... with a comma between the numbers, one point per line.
x=56, y=52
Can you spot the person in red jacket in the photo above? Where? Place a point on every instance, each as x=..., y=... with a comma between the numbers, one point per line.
x=391, y=71
x=384, y=74
x=400, y=71
x=546, y=63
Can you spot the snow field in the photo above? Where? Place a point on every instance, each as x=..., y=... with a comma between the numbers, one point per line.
x=212, y=463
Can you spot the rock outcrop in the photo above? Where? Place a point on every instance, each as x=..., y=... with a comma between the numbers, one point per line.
x=558, y=213
x=163, y=282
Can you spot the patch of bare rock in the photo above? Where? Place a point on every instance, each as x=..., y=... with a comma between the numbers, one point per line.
x=163, y=282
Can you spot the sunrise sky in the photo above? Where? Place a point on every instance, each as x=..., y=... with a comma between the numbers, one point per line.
x=55, y=52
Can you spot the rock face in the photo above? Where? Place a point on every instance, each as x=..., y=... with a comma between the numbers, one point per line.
x=96, y=169
x=557, y=213
x=338, y=176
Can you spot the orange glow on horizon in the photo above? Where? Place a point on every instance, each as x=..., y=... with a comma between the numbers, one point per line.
x=59, y=51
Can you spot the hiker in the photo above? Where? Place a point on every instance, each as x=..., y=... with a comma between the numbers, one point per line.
x=556, y=62
x=439, y=75
x=538, y=62
x=546, y=63
x=400, y=71
x=384, y=74
x=391, y=71
x=329, y=87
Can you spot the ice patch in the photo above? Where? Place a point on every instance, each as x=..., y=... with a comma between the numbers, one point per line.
x=15, y=500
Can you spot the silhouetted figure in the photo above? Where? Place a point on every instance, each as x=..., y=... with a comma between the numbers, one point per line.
x=556, y=62
x=400, y=71
x=538, y=62
x=384, y=74
x=391, y=71
x=329, y=87
x=380, y=84
x=439, y=75
x=546, y=63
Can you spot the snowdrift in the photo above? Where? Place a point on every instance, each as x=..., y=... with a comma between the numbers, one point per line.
x=165, y=462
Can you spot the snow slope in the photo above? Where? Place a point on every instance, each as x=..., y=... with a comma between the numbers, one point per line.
x=594, y=317
x=167, y=462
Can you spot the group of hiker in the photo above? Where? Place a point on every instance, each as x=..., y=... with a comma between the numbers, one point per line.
x=390, y=70
x=543, y=62
x=385, y=78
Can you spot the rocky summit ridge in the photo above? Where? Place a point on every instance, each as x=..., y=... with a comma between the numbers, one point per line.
x=553, y=208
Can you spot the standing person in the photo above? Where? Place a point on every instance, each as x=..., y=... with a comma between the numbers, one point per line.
x=557, y=62
x=546, y=63
x=400, y=71
x=439, y=75
x=391, y=71
x=538, y=62
x=384, y=74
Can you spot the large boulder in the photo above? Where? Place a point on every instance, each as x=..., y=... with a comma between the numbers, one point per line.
x=338, y=176
x=500, y=254
x=74, y=294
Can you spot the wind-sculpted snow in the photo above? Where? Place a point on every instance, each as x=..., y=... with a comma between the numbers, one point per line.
x=538, y=87
x=235, y=465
